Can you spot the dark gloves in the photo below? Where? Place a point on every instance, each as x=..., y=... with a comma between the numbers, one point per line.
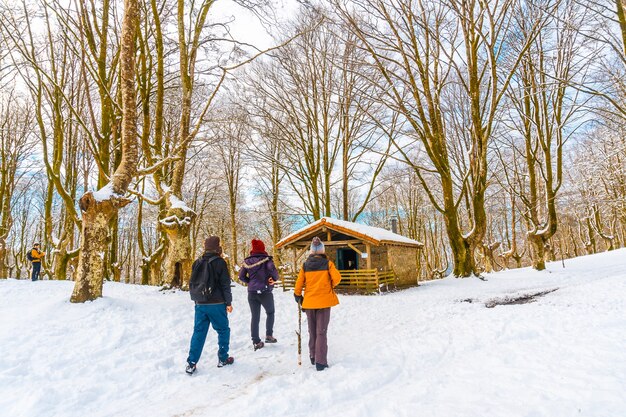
x=298, y=298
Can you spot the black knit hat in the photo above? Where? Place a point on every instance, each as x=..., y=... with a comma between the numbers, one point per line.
x=212, y=245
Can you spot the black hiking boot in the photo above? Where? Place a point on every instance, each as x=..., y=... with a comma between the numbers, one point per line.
x=320, y=367
x=270, y=339
x=258, y=345
x=191, y=368
x=312, y=361
x=229, y=361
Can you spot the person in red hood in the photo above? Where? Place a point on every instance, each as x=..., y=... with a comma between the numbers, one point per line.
x=260, y=273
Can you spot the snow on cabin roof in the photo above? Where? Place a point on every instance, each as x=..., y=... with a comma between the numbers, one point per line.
x=371, y=234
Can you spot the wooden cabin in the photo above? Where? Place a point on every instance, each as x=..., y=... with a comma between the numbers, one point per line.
x=370, y=259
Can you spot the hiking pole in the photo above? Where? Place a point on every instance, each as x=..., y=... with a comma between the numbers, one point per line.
x=299, y=333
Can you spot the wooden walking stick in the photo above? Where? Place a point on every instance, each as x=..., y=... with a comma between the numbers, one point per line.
x=299, y=333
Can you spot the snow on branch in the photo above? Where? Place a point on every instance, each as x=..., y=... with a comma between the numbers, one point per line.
x=173, y=221
x=149, y=200
x=177, y=203
x=105, y=193
x=152, y=169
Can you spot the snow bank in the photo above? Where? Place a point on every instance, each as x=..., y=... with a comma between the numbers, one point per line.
x=419, y=352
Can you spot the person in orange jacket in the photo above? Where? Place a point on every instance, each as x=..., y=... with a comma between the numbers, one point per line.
x=35, y=257
x=318, y=277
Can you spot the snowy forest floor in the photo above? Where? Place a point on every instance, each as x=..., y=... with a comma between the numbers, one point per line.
x=435, y=350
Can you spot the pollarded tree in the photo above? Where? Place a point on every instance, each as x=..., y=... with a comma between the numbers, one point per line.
x=98, y=208
x=91, y=32
x=546, y=113
x=179, y=216
x=429, y=53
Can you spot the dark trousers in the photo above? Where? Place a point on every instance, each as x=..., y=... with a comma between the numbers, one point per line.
x=318, y=320
x=215, y=315
x=265, y=299
x=36, y=269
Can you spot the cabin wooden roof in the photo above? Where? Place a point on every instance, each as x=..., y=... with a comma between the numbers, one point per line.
x=369, y=234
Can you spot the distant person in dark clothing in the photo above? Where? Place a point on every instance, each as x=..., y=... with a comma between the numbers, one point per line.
x=260, y=273
x=209, y=287
x=35, y=258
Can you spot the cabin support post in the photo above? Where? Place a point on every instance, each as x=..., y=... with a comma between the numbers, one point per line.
x=377, y=278
x=354, y=248
x=295, y=270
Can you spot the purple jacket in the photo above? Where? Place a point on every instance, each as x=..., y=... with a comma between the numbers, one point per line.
x=256, y=272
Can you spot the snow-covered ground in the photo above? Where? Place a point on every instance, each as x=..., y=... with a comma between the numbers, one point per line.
x=419, y=352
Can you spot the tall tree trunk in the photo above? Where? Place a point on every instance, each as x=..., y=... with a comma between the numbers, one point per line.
x=621, y=17
x=538, y=251
x=462, y=253
x=177, y=223
x=63, y=255
x=99, y=208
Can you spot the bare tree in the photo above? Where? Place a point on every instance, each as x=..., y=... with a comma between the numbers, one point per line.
x=52, y=77
x=16, y=127
x=98, y=208
x=606, y=27
x=320, y=109
x=547, y=113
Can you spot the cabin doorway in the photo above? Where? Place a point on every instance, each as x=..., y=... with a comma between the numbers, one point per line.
x=347, y=259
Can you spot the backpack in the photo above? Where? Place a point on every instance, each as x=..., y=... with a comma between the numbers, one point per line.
x=29, y=255
x=202, y=281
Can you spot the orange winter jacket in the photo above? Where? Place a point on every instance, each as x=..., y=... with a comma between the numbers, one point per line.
x=318, y=277
x=37, y=255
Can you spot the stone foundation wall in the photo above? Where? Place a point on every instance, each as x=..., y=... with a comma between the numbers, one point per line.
x=403, y=261
x=379, y=258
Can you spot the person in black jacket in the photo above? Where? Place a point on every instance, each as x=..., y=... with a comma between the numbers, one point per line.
x=209, y=287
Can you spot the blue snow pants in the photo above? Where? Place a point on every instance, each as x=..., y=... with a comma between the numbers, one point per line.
x=215, y=315
x=36, y=270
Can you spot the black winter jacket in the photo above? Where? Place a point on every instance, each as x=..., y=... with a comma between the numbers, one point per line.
x=222, y=292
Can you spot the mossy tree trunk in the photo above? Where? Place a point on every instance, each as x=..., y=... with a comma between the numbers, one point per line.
x=99, y=208
x=177, y=222
x=178, y=258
